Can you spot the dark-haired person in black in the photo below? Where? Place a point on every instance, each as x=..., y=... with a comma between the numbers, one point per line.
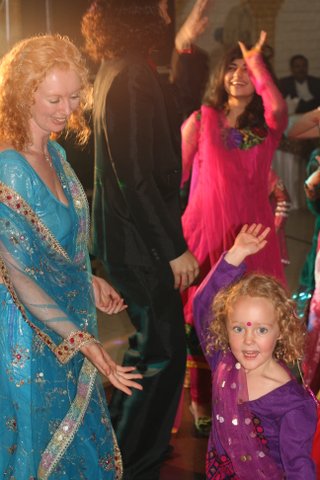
x=301, y=90
x=137, y=229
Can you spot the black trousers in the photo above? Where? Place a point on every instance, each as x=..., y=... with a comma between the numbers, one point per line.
x=143, y=421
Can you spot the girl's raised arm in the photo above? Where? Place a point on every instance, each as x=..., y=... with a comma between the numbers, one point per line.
x=250, y=240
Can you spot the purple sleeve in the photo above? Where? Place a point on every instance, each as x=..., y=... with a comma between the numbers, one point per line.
x=220, y=276
x=296, y=436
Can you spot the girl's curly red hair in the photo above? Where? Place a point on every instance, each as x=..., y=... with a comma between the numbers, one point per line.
x=290, y=346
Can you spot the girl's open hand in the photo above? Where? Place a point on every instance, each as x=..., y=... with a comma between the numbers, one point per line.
x=250, y=240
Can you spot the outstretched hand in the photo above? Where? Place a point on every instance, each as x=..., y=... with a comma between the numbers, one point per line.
x=120, y=377
x=250, y=240
x=194, y=25
x=256, y=48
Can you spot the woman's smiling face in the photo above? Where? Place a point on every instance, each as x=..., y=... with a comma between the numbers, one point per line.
x=237, y=82
x=57, y=96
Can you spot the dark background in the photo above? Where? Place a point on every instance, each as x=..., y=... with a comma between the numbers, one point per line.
x=65, y=18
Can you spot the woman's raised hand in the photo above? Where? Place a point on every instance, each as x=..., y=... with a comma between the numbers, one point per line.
x=194, y=25
x=256, y=48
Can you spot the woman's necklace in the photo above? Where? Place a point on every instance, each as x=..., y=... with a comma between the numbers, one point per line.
x=45, y=154
x=48, y=159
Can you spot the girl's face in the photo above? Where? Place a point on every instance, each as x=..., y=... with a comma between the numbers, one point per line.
x=57, y=96
x=236, y=80
x=253, y=332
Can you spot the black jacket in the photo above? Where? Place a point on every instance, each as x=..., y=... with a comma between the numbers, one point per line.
x=136, y=208
x=288, y=88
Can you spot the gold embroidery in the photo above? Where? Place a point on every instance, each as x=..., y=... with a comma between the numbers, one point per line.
x=69, y=426
x=10, y=198
x=66, y=349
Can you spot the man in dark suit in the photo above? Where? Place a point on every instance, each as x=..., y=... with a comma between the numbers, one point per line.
x=302, y=91
x=137, y=229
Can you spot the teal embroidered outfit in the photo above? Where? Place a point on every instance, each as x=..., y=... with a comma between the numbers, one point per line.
x=54, y=421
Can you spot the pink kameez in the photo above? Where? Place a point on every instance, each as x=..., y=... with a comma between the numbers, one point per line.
x=229, y=184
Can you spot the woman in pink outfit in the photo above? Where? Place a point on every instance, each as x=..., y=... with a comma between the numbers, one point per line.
x=229, y=144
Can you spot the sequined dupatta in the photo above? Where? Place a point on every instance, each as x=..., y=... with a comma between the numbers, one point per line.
x=233, y=424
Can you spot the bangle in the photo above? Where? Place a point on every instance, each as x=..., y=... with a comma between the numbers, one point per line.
x=252, y=52
x=72, y=344
x=186, y=50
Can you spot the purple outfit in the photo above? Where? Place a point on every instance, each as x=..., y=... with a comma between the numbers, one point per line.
x=282, y=422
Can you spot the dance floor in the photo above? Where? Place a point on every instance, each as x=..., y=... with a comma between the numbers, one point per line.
x=187, y=461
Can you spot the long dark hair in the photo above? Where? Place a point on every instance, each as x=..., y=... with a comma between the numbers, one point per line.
x=216, y=96
x=112, y=28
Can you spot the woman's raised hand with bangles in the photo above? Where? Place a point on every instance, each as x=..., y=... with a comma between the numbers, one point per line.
x=256, y=48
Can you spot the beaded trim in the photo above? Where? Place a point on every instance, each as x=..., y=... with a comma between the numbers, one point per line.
x=117, y=458
x=14, y=201
x=80, y=200
x=71, y=345
x=69, y=426
x=80, y=204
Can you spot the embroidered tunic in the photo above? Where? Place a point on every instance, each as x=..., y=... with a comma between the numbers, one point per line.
x=229, y=183
x=54, y=419
x=285, y=419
